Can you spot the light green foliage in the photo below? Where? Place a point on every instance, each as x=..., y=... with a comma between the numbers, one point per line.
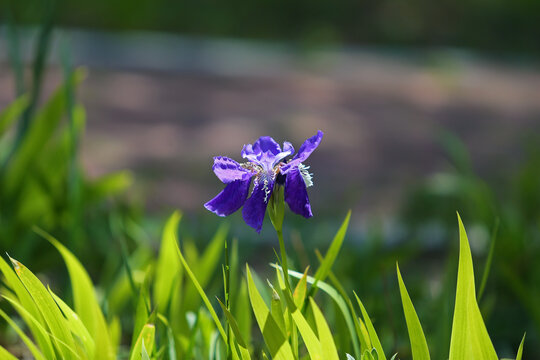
x=470, y=339
x=419, y=347
x=294, y=327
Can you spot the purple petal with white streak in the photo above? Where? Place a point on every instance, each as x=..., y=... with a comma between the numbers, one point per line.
x=303, y=153
x=296, y=193
x=228, y=170
x=255, y=207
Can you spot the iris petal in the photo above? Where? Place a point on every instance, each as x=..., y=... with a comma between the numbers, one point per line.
x=303, y=153
x=229, y=199
x=228, y=170
x=255, y=207
x=296, y=193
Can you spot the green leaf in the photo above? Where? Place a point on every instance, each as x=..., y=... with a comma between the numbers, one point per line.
x=5, y=355
x=168, y=267
x=201, y=292
x=470, y=339
x=331, y=254
x=340, y=301
x=145, y=341
x=48, y=309
x=520, y=349
x=371, y=330
x=326, y=338
x=32, y=311
x=244, y=352
x=85, y=301
x=31, y=346
x=38, y=134
x=12, y=112
x=273, y=337
x=76, y=326
x=419, y=345
x=310, y=339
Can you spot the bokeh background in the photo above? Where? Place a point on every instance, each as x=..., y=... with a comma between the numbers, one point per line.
x=428, y=108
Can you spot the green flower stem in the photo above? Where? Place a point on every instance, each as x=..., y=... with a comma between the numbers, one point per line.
x=284, y=264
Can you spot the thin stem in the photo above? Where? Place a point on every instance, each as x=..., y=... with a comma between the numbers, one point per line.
x=284, y=264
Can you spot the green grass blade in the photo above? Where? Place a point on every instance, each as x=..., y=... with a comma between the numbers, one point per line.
x=31, y=346
x=49, y=310
x=419, y=345
x=168, y=265
x=470, y=339
x=10, y=113
x=520, y=349
x=371, y=329
x=489, y=260
x=28, y=304
x=331, y=255
x=311, y=341
x=6, y=355
x=326, y=338
x=76, y=326
x=201, y=292
x=244, y=352
x=85, y=301
x=273, y=337
x=340, y=302
x=146, y=336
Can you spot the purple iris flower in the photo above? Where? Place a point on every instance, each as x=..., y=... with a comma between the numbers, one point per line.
x=267, y=166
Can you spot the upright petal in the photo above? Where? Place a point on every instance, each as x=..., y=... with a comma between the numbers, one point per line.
x=303, y=153
x=229, y=199
x=228, y=170
x=296, y=193
x=255, y=207
x=265, y=145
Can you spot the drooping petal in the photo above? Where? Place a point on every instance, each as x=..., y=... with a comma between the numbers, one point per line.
x=255, y=207
x=228, y=170
x=229, y=199
x=303, y=153
x=296, y=193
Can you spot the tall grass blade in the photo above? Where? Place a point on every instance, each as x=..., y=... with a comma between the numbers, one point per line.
x=371, y=330
x=279, y=348
x=419, y=347
x=470, y=339
x=85, y=301
x=326, y=338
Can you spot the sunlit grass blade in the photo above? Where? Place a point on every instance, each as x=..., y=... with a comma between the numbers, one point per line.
x=470, y=339
x=331, y=255
x=273, y=337
x=5, y=355
x=340, y=302
x=85, y=301
x=326, y=338
x=76, y=326
x=146, y=336
x=31, y=346
x=419, y=347
x=28, y=304
x=520, y=349
x=374, y=338
x=168, y=265
x=201, y=292
x=300, y=291
x=244, y=352
x=206, y=266
x=49, y=310
x=311, y=341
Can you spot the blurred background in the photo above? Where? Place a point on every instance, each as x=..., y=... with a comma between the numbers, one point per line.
x=428, y=108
